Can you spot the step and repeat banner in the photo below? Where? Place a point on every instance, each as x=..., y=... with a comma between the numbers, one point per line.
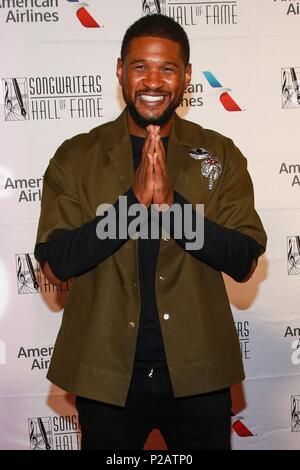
x=57, y=79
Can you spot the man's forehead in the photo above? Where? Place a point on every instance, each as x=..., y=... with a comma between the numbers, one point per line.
x=154, y=49
x=152, y=45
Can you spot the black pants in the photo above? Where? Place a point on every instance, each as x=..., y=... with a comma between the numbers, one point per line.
x=196, y=422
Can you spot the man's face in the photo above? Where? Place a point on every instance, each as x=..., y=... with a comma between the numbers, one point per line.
x=153, y=77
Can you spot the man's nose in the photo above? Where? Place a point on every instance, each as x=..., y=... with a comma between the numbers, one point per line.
x=153, y=79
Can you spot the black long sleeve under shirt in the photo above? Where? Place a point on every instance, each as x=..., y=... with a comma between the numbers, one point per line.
x=73, y=252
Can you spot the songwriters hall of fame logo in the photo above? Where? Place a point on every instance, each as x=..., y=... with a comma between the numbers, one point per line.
x=54, y=433
x=40, y=433
x=290, y=87
x=28, y=273
x=193, y=13
x=295, y=413
x=151, y=7
x=52, y=97
x=15, y=99
x=30, y=279
x=293, y=255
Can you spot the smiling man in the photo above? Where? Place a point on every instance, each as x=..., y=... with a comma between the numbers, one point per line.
x=147, y=338
x=154, y=74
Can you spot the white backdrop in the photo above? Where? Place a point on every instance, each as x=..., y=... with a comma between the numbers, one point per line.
x=58, y=79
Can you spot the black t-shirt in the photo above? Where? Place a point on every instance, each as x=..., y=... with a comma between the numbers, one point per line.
x=150, y=348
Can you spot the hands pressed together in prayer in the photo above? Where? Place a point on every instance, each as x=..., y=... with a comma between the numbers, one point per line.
x=152, y=183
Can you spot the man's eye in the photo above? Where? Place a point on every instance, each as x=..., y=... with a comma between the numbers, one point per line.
x=168, y=69
x=140, y=67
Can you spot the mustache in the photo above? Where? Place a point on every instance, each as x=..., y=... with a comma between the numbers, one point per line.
x=153, y=93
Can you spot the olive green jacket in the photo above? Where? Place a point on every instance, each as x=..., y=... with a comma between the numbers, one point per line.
x=95, y=348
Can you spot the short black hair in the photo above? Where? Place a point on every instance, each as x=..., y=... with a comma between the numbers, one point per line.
x=159, y=26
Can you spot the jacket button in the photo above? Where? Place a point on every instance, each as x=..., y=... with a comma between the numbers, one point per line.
x=166, y=316
x=135, y=284
x=131, y=324
x=161, y=278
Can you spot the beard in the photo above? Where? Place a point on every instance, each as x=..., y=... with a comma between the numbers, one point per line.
x=143, y=121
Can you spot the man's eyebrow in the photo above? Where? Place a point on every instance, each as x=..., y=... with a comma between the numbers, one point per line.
x=169, y=62
x=166, y=62
x=136, y=60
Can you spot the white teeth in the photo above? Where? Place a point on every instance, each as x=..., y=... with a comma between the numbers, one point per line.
x=151, y=99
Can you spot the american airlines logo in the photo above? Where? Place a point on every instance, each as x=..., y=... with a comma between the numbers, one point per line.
x=226, y=99
x=83, y=15
x=239, y=427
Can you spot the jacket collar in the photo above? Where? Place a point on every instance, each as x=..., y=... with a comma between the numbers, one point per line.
x=119, y=149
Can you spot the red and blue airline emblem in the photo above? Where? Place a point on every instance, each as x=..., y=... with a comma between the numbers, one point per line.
x=83, y=15
x=227, y=101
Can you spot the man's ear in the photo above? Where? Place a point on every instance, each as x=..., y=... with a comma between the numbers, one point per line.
x=187, y=75
x=119, y=71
